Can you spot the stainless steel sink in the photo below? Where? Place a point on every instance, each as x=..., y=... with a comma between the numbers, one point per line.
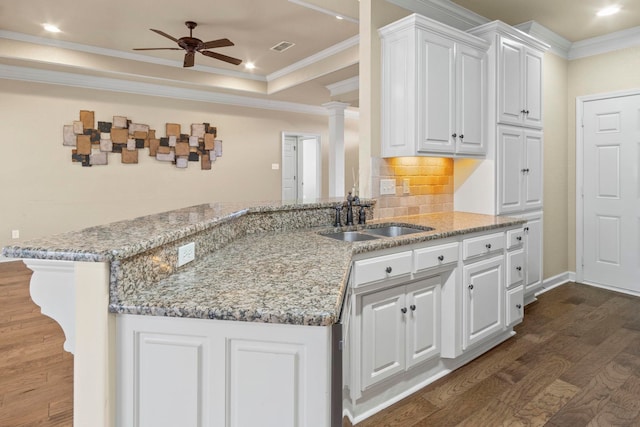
x=395, y=230
x=350, y=236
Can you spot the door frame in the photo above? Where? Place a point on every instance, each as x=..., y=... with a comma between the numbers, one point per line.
x=305, y=135
x=580, y=101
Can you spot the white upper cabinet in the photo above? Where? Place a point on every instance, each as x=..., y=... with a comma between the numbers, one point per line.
x=433, y=89
x=516, y=70
x=520, y=84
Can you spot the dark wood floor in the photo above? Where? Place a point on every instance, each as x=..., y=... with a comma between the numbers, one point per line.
x=36, y=374
x=574, y=362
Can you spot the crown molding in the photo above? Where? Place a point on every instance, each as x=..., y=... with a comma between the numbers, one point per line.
x=44, y=41
x=444, y=11
x=557, y=44
x=604, y=44
x=317, y=57
x=344, y=86
x=11, y=72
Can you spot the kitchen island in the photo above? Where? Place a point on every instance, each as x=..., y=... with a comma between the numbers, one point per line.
x=246, y=326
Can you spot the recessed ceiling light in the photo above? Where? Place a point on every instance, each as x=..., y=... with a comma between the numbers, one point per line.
x=611, y=10
x=249, y=65
x=51, y=28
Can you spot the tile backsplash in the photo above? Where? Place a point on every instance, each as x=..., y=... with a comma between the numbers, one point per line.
x=430, y=185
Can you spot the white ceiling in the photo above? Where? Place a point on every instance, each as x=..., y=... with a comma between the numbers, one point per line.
x=254, y=26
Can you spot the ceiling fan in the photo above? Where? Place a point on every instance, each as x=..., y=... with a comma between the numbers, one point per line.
x=192, y=45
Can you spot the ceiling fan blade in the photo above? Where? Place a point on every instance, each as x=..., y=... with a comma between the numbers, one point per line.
x=189, y=59
x=158, y=48
x=217, y=43
x=162, y=33
x=222, y=57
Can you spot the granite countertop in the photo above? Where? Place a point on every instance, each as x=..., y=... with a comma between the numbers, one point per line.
x=295, y=277
x=124, y=239
x=277, y=271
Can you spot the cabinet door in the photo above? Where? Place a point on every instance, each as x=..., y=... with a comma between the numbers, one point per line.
x=533, y=250
x=532, y=88
x=383, y=335
x=515, y=305
x=398, y=94
x=510, y=87
x=532, y=191
x=470, y=86
x=423, y=320
x=436, y=102
x=483, y=301
x=510, y=169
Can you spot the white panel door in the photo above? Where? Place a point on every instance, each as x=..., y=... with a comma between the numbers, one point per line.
x=184, y=402
x=423, y=320
x=383, y=335
x=510, y=96
x=533, y=88
x=533, y=173
x=510, y=169
x=289, y=168
x=436, y=93
x=611, y=217
x=470, y=100
x=483, y=303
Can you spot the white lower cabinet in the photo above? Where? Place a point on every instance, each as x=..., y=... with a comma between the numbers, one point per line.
x=200, y=373
x=483, y=302
x=400, y=328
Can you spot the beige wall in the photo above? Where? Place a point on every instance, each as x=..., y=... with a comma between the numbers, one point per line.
x=555, y=165
x=43, y=192
x=610, y=72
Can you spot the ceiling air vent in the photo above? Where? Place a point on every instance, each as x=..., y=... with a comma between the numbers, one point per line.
x=282, y=46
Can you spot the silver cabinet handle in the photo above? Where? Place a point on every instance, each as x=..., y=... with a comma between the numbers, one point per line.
x=519, y=238
x=488, y=245
x=519, y=268
x=412, y=307
x=470, y=286
x=518, y=306
x=441, y=258
x=388, y=270
x=454, y=135
x=403, y=310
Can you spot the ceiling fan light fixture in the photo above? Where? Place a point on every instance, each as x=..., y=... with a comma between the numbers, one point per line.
x=607, y=11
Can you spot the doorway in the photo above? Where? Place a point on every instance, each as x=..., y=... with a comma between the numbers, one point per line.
x=301, y=167
x=608, y=207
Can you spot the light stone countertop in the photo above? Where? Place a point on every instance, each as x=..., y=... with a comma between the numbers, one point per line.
x=276, y=270
x=295, y=277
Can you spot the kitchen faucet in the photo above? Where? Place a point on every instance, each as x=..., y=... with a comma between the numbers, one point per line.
x=351, y=200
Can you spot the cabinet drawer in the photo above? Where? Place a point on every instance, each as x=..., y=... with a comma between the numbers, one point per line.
x=482, y=245
x=515, y=305
x=515, y=238
x=515, y=267
x=436, y=256
x=381, y=268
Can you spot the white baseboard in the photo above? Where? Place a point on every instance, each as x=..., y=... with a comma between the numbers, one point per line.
x=557, y=280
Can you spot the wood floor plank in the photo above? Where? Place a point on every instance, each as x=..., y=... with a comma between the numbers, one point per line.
x=591, y=400
x=544, y=405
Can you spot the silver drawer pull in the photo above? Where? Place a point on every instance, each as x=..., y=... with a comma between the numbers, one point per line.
x=403, y=310
x=388, y=270
x=441, y=258
x=488, y=245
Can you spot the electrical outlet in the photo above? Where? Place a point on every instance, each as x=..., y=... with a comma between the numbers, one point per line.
x=186, y=253
x=387, y=186
x=405, y=186
x=15, y=234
